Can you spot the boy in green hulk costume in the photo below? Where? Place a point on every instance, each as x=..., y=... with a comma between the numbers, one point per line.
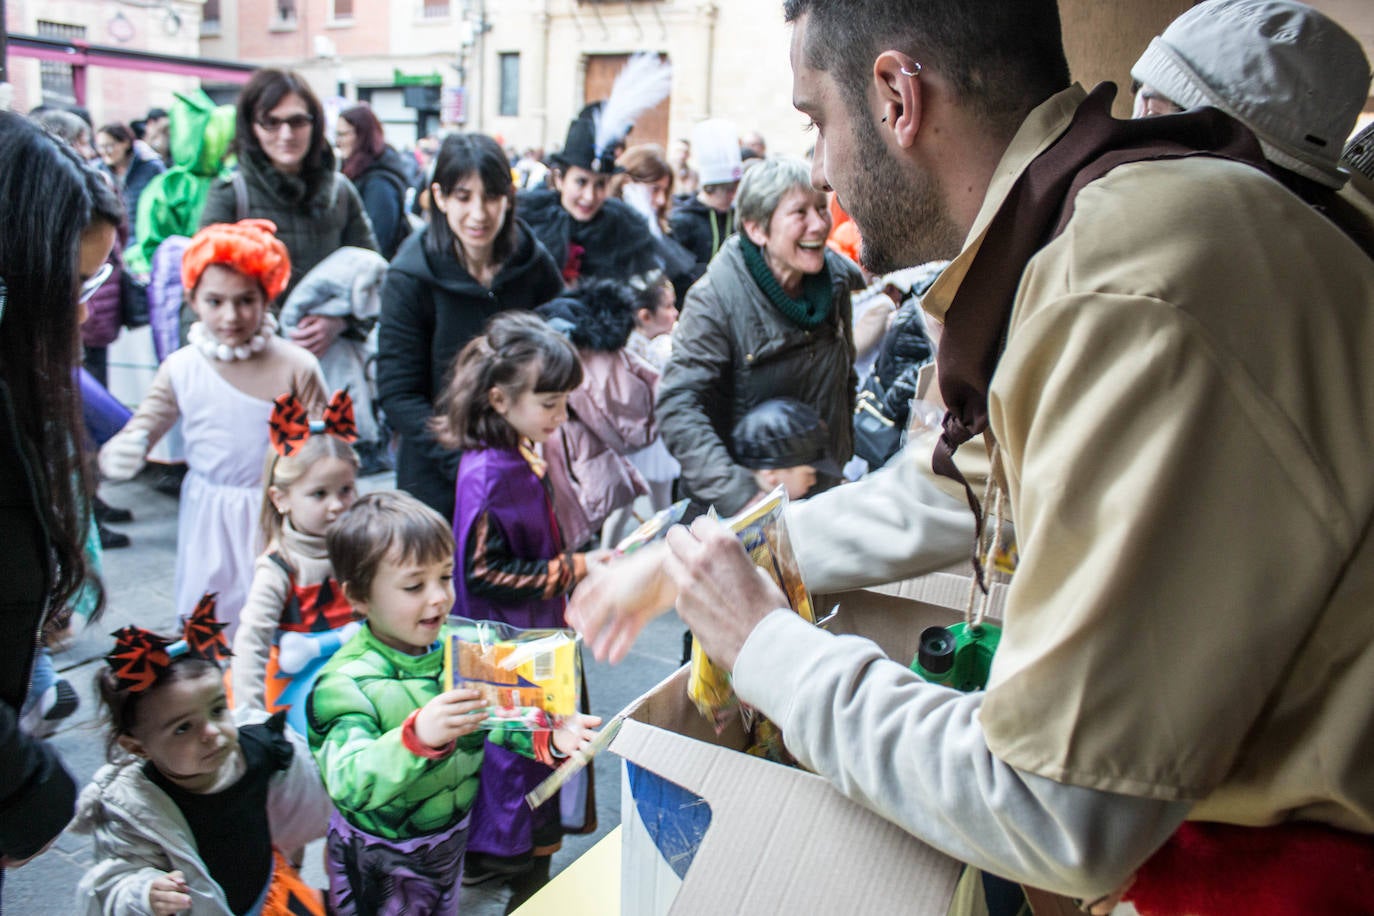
x=399, y=757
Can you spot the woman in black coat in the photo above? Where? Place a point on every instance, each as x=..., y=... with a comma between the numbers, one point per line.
x=58, y=231
x=472, y=260
x=378, y=172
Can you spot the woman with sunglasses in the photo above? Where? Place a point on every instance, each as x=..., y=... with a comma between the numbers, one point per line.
x=287, y=174
x=54, y=244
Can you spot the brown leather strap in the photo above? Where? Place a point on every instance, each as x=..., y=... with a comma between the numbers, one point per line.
x=1036, y=210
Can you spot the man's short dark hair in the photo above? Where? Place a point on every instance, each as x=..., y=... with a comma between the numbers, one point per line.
x=155, y=114
x=1003, y=57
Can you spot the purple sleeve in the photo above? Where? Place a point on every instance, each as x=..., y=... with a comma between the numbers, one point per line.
x=104, y=415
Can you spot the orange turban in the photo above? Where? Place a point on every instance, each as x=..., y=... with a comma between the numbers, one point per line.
x=249, y=246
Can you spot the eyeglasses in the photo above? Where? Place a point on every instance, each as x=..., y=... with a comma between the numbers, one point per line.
x=295, y=122
x=92, y=285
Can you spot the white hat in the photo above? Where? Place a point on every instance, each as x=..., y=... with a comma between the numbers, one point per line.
x=1289, y=73
x=715, y=147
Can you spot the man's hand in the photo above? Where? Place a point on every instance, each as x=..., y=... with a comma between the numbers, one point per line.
x=574, y=732
x=618, y=598
x=168, y=895
x=450, y=715
x=317, y=333
x=722, y=595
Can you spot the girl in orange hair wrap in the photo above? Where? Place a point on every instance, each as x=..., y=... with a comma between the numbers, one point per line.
x=221, y=386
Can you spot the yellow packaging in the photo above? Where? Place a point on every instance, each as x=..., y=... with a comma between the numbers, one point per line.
x=529, y=676
x=763, y=533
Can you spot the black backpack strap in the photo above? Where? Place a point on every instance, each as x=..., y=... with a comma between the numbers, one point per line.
x=240, y=195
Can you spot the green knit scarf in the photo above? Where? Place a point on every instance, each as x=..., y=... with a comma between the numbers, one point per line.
x=816, y=301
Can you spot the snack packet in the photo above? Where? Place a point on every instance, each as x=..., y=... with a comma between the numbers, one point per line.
x=653, y=528
x=529, y=678
x=763, y=533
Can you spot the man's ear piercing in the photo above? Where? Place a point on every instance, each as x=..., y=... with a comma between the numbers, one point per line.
x=915, y=72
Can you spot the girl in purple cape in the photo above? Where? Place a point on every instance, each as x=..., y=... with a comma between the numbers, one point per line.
x=507, y=395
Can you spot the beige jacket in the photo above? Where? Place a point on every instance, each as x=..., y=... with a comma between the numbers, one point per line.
x=1186, y=412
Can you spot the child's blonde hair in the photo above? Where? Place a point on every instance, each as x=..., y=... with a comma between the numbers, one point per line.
x=283, y=471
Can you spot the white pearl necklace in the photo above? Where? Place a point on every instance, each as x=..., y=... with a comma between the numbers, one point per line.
x=203, y=341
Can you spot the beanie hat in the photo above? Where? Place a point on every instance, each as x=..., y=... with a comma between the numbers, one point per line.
x=782, y=433
x=715, y=146
x=249, y=246
x=1289, y=73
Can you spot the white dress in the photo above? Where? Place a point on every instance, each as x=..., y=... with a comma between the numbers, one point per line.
x=225, y=433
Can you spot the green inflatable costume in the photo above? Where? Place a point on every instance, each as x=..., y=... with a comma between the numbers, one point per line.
x=200, y=137
x=355, y=713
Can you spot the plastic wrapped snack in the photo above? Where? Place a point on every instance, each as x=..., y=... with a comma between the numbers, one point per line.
x=763, y=533
x=529, y=678
x=653, y=528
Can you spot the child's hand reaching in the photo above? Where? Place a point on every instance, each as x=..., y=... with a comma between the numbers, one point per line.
x=450, y=715
x=168, y=895
x=124, y=455
x=574, y=732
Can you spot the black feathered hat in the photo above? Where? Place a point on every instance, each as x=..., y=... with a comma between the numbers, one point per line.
x=599, y=130
x=580, y=148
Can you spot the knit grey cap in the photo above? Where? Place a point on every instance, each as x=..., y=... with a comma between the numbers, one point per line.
x=1288, y=72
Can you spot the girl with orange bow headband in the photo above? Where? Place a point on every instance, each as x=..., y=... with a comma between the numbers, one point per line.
x=196, y=806
x=221, y=387
x=296, y=615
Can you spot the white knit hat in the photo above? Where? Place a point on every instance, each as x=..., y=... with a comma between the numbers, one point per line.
x=1288, y=72
x=715, y=147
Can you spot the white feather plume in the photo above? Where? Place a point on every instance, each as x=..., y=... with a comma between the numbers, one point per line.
x=645, y=81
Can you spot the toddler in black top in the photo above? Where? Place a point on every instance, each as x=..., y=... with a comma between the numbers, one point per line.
x=195, y=808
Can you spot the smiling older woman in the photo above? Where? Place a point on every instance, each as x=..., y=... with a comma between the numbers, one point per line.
x=771, y=318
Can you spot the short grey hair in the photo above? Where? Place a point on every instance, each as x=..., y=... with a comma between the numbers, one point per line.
x=765, y=185
x=64, y=125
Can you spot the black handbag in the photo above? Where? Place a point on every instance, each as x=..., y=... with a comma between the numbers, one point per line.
x=877, y=435
x=133, y=301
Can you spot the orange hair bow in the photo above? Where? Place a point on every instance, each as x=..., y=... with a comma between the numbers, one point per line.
x=140, y=657
x=249, y=246
x=289, y=427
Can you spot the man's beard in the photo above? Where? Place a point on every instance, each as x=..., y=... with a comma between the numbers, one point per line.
x=901, y=218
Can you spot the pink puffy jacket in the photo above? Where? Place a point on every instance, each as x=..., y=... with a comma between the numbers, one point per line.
x=609, y=415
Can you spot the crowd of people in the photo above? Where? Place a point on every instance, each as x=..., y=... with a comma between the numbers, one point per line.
x=1146, y=338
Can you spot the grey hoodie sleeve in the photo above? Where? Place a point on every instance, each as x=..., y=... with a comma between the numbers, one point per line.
x=915, y=753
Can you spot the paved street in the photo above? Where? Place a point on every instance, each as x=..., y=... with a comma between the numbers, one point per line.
x=139, y=583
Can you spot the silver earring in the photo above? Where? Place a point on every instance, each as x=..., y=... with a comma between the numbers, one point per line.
x=916, y=72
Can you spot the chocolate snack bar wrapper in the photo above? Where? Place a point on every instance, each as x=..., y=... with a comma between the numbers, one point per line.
x=763, y=532
x=529, y=678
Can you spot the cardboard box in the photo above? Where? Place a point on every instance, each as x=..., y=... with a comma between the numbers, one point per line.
x=950, y=588
x=709, y=829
